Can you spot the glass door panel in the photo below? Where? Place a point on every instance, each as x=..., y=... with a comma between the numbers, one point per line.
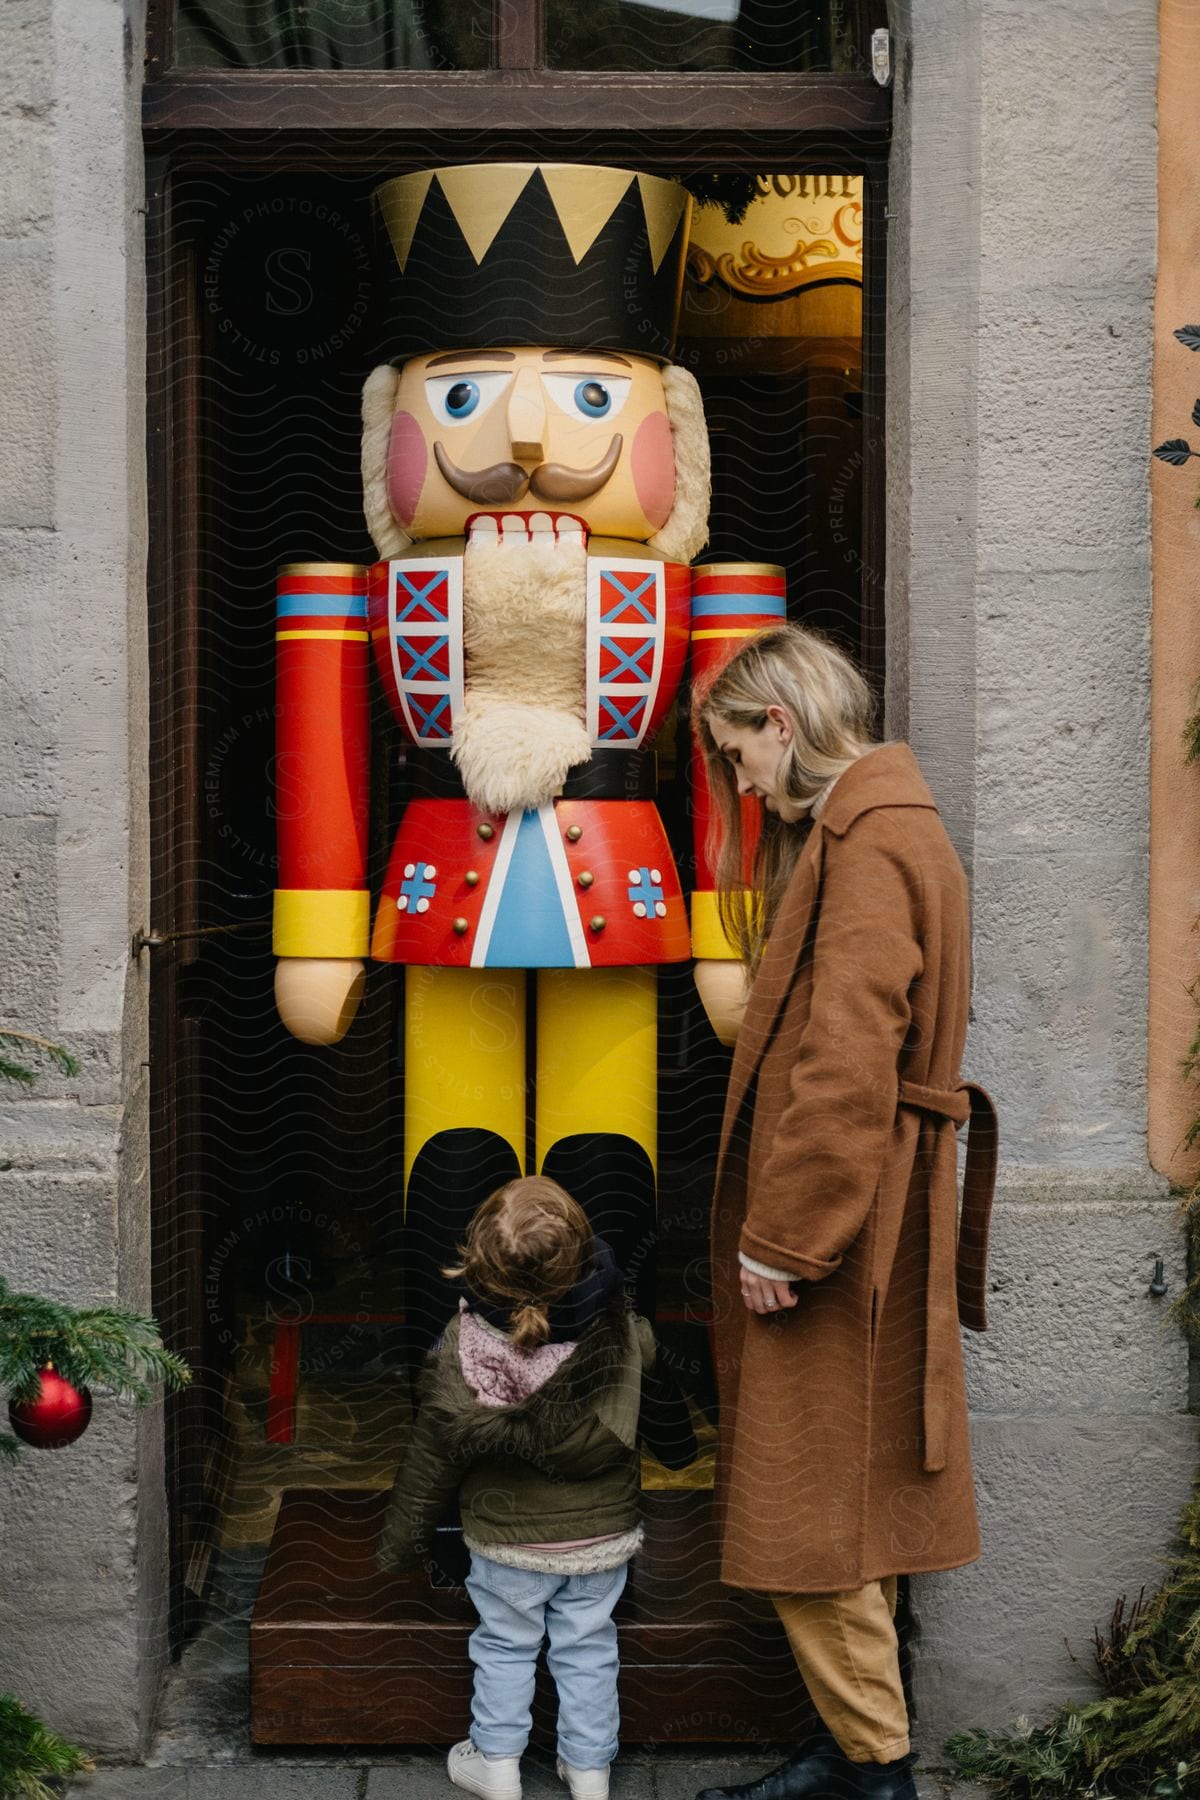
x=279, y=35
x=760, y=36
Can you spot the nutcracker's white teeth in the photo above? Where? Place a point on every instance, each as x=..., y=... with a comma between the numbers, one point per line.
x=507, y=529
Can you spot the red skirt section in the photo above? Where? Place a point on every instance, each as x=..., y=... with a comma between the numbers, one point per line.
x=615, y=871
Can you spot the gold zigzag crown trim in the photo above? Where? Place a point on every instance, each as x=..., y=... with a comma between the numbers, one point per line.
x=482, y=195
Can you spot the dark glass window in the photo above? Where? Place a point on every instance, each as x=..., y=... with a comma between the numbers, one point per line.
x=278, y=35
x=760, y=36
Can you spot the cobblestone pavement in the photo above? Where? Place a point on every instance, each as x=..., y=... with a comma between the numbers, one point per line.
x=670, y=1775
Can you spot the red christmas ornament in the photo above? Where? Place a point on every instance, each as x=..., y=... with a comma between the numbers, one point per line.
x=60, y=1414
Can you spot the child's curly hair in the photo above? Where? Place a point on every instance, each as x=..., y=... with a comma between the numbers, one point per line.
x=525, y=1249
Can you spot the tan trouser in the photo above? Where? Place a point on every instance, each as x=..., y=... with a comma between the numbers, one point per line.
x=846, y=1649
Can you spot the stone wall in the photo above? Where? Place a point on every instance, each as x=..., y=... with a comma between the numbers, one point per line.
x=82, y=1532
x=1021, y=279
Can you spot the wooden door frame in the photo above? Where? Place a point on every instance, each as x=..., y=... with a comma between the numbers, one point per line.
x=219, y=120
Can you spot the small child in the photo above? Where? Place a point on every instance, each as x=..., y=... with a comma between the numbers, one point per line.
x=531, y=1416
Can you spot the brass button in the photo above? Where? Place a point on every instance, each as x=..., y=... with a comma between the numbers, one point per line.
x=585, y=878
x=472, y=877
x=597, y=921
x=574, y=832
x=461, y=926
x=485, y=831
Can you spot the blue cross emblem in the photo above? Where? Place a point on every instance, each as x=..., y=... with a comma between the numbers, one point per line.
x=645, y=893
x=624, y=724
x=627, y=661
x=428, y=598
x=422, y=659
x=418, y=887
x=627, y=597
x=428, y=716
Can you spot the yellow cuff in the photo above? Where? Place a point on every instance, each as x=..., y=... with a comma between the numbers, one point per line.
x=709, y=942
x=322, y=922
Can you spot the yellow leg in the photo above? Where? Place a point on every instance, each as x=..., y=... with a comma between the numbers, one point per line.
x=464, y=1056
x=597, y=1056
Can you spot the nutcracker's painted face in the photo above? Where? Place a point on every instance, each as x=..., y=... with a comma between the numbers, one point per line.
x=519, y=430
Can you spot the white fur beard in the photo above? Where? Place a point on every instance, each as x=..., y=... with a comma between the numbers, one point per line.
x=522, y=729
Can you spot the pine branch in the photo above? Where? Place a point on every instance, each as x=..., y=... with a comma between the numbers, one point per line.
x=17, y=1071
x=30, y=1751
x=104, y=1347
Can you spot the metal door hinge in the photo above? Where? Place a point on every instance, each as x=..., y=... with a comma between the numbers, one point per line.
x=155, y=940
x=881, y=56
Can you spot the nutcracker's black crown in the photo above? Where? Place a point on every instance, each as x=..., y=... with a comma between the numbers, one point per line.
x=534, y=253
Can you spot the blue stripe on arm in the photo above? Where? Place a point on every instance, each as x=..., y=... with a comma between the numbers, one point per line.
x=706, y=606
x=343, y=606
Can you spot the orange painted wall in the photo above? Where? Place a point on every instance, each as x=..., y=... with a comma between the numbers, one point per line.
x=1175, y=538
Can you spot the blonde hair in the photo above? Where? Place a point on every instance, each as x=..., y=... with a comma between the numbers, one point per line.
x=829, y=708
x=524, y=1250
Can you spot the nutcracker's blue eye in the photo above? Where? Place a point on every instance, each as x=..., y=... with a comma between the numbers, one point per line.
x=593, y=398
x=462, y=399
x=584, y=396
x=464, y=395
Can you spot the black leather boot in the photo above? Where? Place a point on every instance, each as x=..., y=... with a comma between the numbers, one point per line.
x=873, y=1781
x=819, y=1771
x=802, y=1777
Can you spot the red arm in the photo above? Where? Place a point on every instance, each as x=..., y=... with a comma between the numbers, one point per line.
x=322, y=906
x=730, y=602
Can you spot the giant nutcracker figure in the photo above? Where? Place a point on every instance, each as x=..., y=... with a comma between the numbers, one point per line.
x=535, y=477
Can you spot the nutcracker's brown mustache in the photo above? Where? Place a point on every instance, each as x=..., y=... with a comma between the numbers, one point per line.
x=505, y=482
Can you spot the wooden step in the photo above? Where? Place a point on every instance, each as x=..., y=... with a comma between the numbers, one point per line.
x=340, y=1654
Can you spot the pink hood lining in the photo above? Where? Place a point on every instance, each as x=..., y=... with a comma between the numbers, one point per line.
x=497, y=1373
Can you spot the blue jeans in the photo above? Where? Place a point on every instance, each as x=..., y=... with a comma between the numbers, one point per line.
x=517, y=1608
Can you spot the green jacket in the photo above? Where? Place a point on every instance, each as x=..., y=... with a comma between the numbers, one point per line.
x=562, y=1464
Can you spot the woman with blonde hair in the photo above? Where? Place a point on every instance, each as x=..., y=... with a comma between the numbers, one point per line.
x=840, y=1275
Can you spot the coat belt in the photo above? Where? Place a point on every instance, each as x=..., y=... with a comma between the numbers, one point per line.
x=967, y=1102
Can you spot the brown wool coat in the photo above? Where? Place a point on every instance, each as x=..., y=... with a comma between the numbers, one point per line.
x=844, y=1448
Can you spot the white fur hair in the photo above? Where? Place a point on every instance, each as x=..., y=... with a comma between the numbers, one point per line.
x=378, y=408
x=522, y=722
x=686, y=531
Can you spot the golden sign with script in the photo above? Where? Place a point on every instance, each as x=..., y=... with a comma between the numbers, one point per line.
x=799, y=230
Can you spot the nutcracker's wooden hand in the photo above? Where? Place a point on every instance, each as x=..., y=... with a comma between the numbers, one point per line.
x=723, y=987
x=318, y=997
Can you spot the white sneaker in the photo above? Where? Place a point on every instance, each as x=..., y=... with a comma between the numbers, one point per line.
x=584, y=1784
x=495, y=1777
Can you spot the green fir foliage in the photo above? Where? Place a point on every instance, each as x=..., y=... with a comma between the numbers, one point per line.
x=104, y=1347
x=25, y=1044
x=30, y=1753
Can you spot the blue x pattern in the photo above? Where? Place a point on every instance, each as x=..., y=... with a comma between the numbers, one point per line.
x=627, y=659
x=434, y=598
x=624, y=725
x=427, y=716
x=422, y=659
x=629, y=597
